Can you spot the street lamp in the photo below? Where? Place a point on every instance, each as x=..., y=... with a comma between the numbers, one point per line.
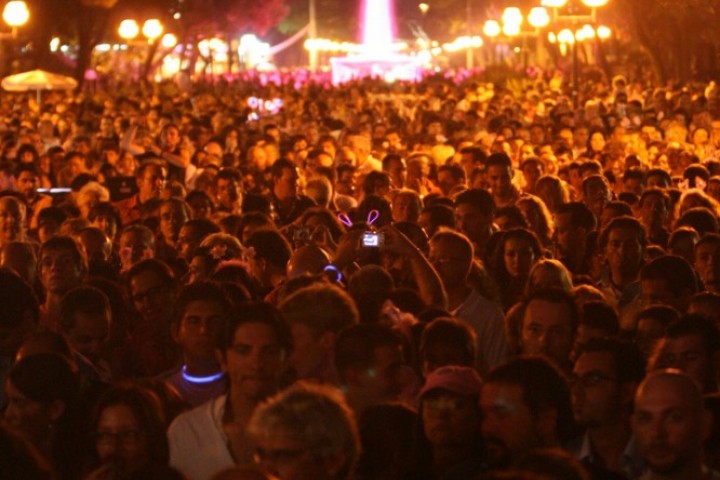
x=128, y=29
x=424, y=7
x=16, y=14
x=152, y=29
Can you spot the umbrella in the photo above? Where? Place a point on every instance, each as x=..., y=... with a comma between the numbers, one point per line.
x=37, y=80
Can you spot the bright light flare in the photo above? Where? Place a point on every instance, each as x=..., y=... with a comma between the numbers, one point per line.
x=16, y=13
x=378, y=21
x=128, y=29
x=491, y=28
x=152, y=28
x=539, y=17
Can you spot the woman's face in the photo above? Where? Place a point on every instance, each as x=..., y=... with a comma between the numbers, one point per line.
x=519, y=257
x=30, y=418
x=10, y=221
x=107, y=224
x=597, y=142
x=119, y=438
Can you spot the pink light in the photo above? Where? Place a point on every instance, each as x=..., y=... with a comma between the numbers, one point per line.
x=378, y=23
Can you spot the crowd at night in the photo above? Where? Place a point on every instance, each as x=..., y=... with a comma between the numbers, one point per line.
x=442, y=280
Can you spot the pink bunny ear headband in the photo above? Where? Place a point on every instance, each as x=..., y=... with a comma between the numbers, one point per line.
x=372, y=217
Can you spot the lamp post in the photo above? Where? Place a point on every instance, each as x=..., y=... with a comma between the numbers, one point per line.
x=513, y=19
x=574, y=11
x=16, y=14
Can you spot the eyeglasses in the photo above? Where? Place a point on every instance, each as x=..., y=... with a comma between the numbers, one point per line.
x=589, y=379
x=126, y=437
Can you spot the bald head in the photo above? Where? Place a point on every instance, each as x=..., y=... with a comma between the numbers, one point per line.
x=670, y=424
x=309, y=259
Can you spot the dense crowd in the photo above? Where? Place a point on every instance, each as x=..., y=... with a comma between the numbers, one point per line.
x=443, y=280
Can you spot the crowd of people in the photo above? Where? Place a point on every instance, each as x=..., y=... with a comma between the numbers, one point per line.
x=443, y=280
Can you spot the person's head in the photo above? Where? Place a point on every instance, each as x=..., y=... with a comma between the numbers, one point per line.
x=682, y=243
x=228, y=188
x=517, y=251
x=474, y=211
x=200, y=203
x=450, y=176
x=668, y=280
x=85, y=320
x=449, y=407
x=316, y=315
x=129, y=429
x=702, y=219
x=173, y=212
x=623, y=242
x=553, y=191
x=27, y=180
x=62, y=264
x=499, y=174
x=200, y=312
x=136, y=243
x=435, y=216
x=549, y=325
x=306, y=432
x=106, y=217
x=596, y=193
x=90, y=195
x=406, y=205
x=573, y=222
x=525, y=404
x=21, y=258
x=657, y=177
x=451, y=254
x=537, y=216
x=152, y=288
x=12, y=219
x=548, y=273
x=670, y=424
x=150, y=178
x=706, y=304
x=690, y=344
x=41, y=392
x=49, y=220
x=270, y=254
x=285, y=179
x=252, y=348
x=191, y=235
x=707, y=261
x=654, y=208
x=447, y=341
x=604, y=379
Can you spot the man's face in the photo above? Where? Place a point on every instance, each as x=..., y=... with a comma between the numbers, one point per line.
x=532, y=171
x=404, y=208
x=151, y=183
x=228, y=192
x=654, y=211
x=657, y=292
x=624, y=252
x=669, y=429
x=284, y=455
x=188, y=240
x=89, y=334
x=286, y=184
x=26, y=183
x=255, y=360
x=59, y=272
x=598, y=398
x=450, y=265
x=449, y=420
x=567, y=235
x=597, y=195
x=197, y=330
x=152, y=298
x=688, y=354
x=547, y=330
x=133, y=248
x=471, y=222
x=707, y=264
x=508, y=426
x=499, y=180
x=310, y=352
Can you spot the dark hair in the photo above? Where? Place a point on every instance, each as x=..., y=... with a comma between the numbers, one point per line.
x=17, y=299
x=479, y=199
x=321, y=307
x=702, y=219
x=659, y=172
x=499, y=159
x=513, y=213
x=602, y=316
x=106, y=209
x=355, y=346
x=655, y=191
x=201, y=292
x=86, y=300
x=580, y=215
x=276, y=170
x=544, y=388
x=625, y=222
x=553, y=295
x=256, y=312
x=373, y=179
x=156, y=266
x=60, y=242
x=695, y=324
x=271, y=246
x=445, y=330
x=674, y=270
x=628, y=362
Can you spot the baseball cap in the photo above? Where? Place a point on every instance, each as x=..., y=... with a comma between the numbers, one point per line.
x=456, y=379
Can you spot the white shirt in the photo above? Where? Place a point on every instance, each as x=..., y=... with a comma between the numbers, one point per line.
x=198, y=445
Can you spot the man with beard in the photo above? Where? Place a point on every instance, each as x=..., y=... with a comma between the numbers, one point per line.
x=670, y=426
x=525, y=404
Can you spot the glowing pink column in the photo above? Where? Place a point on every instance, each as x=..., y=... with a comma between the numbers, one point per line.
x=378, y=23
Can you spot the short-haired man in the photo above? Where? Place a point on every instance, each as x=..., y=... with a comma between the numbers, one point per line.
x=316, y=315
x=150, y=178
x=474, y=212
x=654, y=208
x=549, y=325
x=228, y=190
x=136, y=243
x=85, y=320
x=451, y=254
x=200, y=313
x=268, y=253
x=573, y=223
x=63, y=266
x=707, y=261
x=499, y=174
x=289, y=205
x=192, y=233
x=623, y=243
x=670, y=427
x=605, y=377
x=691, y=344
x=525, y=404
x=27, y=181
x=306, y=432
x=668, y=280
x=252, y=349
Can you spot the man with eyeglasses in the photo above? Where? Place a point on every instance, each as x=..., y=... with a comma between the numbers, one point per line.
x=152, y=288
x=252, y=348
x=603, y=384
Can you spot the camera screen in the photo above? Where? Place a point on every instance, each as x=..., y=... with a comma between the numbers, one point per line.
x=371, y=240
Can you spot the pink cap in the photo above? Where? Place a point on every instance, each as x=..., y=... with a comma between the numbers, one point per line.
x=455, y=379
